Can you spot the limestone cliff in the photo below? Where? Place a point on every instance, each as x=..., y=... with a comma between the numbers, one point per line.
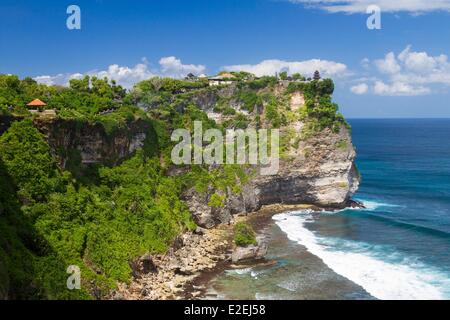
x=91, y=143
x=75, y=142
x=316, y=169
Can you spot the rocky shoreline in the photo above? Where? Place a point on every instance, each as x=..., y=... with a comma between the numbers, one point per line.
x=164, y=277
x=194, y=259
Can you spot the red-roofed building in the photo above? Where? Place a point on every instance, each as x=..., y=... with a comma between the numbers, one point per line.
x=36, y=103
x=36, y=106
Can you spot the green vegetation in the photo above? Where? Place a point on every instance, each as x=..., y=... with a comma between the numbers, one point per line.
x=249, y=100
x=89, y=99
x=48, y=223
x=216, y=201
x=27, y=156
x=272, y=113
x=319, y=111
x=342, y=144
x=261, y=83
x=298, y=76
x=227, y=177
x=102, y=218
x=244, y=235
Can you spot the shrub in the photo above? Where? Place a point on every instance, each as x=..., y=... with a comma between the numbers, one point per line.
x=27, y=158
x=272, y=114
x=228, y=111
x=342, y=144
x=216, y=201
x=244, y=235
x=263, y=82
x=249, y=100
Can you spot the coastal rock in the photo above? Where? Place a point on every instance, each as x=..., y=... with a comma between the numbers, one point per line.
x=204, y=215
x=251, y=252
x=148, y=265
x=117, y=296
x=178, y=243
x=356, y=204
x=199, y=231
x=177, y=268
x=321, y=171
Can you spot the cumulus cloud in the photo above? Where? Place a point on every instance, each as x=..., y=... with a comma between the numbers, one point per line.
x=360, y=6
x=398, y=89
x=125, y=76
x=389, y=64
x=410, y=73
x=59, y=79
x=360, y=88
x=306, y=68
x=173, y=67
x=128, y=76
x=365, y=63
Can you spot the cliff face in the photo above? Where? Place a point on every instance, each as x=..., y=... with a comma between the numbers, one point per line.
x=315, y=169
x=322, y=172
x=91, y=144
x=318, y=169
x=81, y=143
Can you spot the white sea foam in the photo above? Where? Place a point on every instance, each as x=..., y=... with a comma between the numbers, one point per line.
x=373, y=205
x=246, y=271
x=365, y=265
x=239, y=271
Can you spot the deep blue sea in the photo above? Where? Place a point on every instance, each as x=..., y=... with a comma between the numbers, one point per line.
x=396, y=248
x=399, y=247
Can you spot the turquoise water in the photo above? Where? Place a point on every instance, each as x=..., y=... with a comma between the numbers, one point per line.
x=397, y=248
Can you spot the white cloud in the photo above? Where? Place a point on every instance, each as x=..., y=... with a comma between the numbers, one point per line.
x=125, y=76
x=173, y=67
x=365, y=63
x=421, y=62
x=410, y=73
x=59, y=79
x=398, y=89
x=128, y=76
x=389, y=64
x=306, y=68
x=360, y=88
x=360, y=6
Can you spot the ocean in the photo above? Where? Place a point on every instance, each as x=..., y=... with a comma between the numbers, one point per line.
x=396, y=248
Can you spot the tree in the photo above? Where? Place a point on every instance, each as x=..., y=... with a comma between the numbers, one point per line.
x=297, y=76
x=283, y=75
x=27, y=157
x=81, y=85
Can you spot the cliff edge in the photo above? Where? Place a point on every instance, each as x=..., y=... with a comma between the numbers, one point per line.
x=317, y=166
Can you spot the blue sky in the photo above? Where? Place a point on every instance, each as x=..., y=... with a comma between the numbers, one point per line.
x=398, y=71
